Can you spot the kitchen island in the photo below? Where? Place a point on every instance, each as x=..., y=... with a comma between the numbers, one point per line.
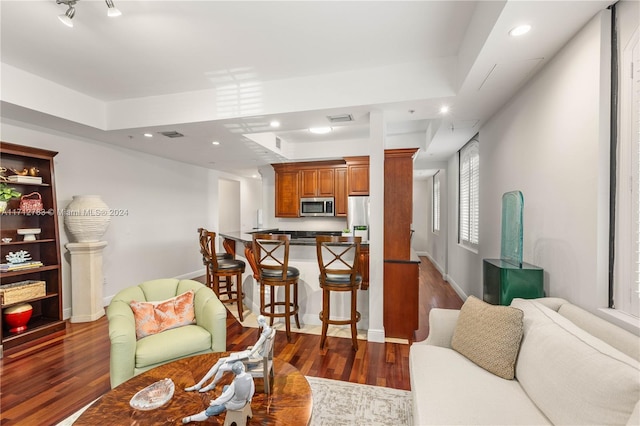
x=302, y=255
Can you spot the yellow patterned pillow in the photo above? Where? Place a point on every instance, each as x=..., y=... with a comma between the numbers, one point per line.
x=154, y=317
x=489, y=335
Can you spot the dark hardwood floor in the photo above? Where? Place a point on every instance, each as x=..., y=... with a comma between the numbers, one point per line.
x=46, y=383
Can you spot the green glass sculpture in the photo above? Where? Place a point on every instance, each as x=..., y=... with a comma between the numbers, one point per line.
x=511, y=241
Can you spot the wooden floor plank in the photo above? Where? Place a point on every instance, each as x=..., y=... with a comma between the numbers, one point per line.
x=46, y=383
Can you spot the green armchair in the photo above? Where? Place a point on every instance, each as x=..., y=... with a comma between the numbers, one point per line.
x=130, y=357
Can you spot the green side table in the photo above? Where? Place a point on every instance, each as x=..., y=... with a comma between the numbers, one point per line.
x=503, y=281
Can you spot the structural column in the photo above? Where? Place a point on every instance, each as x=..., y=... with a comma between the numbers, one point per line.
x=86, y=280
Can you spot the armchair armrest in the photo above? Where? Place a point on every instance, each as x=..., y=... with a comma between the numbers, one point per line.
x=442, y=324
x=212, y=316
x=122, y=333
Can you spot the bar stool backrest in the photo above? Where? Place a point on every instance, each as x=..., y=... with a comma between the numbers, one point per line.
x=271, y=252
x=208, y=247
x=338, y=256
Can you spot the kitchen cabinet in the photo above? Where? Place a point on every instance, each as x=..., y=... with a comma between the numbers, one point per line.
x=317, y=182
x=287, y=196
x=401, y=264
x=298, y=180
x=363, y=266
x=340, y=191
x=46, y=320
x=357, y=175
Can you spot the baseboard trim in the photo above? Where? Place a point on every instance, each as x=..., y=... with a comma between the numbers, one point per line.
x=375, y=336
x=456, y=287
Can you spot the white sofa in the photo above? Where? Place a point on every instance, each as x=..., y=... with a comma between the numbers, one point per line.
x=572, y=368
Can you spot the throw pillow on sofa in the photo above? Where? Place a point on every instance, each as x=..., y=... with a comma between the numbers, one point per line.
x=154, y=317
x=489, y=335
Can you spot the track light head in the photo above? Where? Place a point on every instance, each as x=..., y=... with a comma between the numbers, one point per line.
x=66, y=18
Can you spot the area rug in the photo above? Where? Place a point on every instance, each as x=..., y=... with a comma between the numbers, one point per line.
x=338, y=403
x=250, y=320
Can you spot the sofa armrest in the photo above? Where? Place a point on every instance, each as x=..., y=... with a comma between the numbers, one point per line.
x=122, y=333
x=442, y=324
x=212, y=316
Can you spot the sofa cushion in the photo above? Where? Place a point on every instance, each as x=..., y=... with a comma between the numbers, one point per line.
x=489, y=336
x=154, y=317
x=172, y=344
x=572, y=376
x=449, y=389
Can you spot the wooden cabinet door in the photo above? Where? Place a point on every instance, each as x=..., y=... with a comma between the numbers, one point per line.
x=308, y=182
x=287, y=197
x=359, y=180
x=340, y=192
x=398, y=203
x=326, y=182
x=358, y=175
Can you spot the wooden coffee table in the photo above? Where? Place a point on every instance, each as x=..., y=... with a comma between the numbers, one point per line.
x=290, y=402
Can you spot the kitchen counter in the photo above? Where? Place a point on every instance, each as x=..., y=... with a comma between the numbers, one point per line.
x=302, y=255
x=298, y=238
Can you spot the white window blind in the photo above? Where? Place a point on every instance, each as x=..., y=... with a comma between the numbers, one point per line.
x=436, y=203
x=469, y=191
x=627, y=239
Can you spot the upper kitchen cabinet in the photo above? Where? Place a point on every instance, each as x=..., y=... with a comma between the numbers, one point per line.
x=357, y=175
x=287, y=194
x=317, y=182
x=340, y=192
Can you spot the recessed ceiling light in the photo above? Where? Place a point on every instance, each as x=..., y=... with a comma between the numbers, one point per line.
x=520, y=30
x=274, y=124
x=148, y=135
x=215, y=143
x=444, y=109
x=320, y=130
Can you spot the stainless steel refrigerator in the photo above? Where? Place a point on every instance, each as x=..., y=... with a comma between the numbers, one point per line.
x=358, y=216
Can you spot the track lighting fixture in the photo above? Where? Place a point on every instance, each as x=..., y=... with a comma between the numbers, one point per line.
x=66, y=18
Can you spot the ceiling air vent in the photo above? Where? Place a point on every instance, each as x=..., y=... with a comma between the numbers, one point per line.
x=340, y=118
x=172, y=134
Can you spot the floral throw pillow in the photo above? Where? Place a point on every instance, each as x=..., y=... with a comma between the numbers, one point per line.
x=154, y=317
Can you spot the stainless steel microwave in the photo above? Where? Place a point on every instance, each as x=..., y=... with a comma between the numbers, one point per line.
x=322, y=206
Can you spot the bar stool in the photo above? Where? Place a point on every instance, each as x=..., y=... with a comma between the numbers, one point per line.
x=338, y=262
x=271, y=252
x=222, y=266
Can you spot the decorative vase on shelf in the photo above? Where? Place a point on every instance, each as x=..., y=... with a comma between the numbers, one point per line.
x=3, y=205
x=87, y=218
x=17, y=317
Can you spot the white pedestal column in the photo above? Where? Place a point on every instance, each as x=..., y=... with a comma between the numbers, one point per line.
x=86, y=280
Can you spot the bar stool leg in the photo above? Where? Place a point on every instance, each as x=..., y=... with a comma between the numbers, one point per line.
x=287, y=310
x=272, y=299
x=324, y=316
x=239, y=295
x=295, y=302
x=354, y=318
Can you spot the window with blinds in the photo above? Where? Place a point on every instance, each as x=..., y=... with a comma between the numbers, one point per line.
x=436, y=203
x=626, y=282
x=469, y=193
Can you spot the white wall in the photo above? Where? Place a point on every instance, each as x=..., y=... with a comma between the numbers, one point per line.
x=551, y=142
x=426, y=242
x=165, y=201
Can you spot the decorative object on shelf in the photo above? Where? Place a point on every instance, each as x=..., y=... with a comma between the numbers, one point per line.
x=31, y=203
x=25, y=179
x=21, y=291
x=87, y=218
x=153, y=396
x=29, y=233
x=27, y=171
x=17, y=317
x=7, y=193
x=18, y=261
x=21, y=256
x=7, y=240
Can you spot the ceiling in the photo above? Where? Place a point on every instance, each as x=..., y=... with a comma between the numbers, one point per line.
x=222, y=71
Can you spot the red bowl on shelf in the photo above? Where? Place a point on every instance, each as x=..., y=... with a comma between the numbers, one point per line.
x=17, y=317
